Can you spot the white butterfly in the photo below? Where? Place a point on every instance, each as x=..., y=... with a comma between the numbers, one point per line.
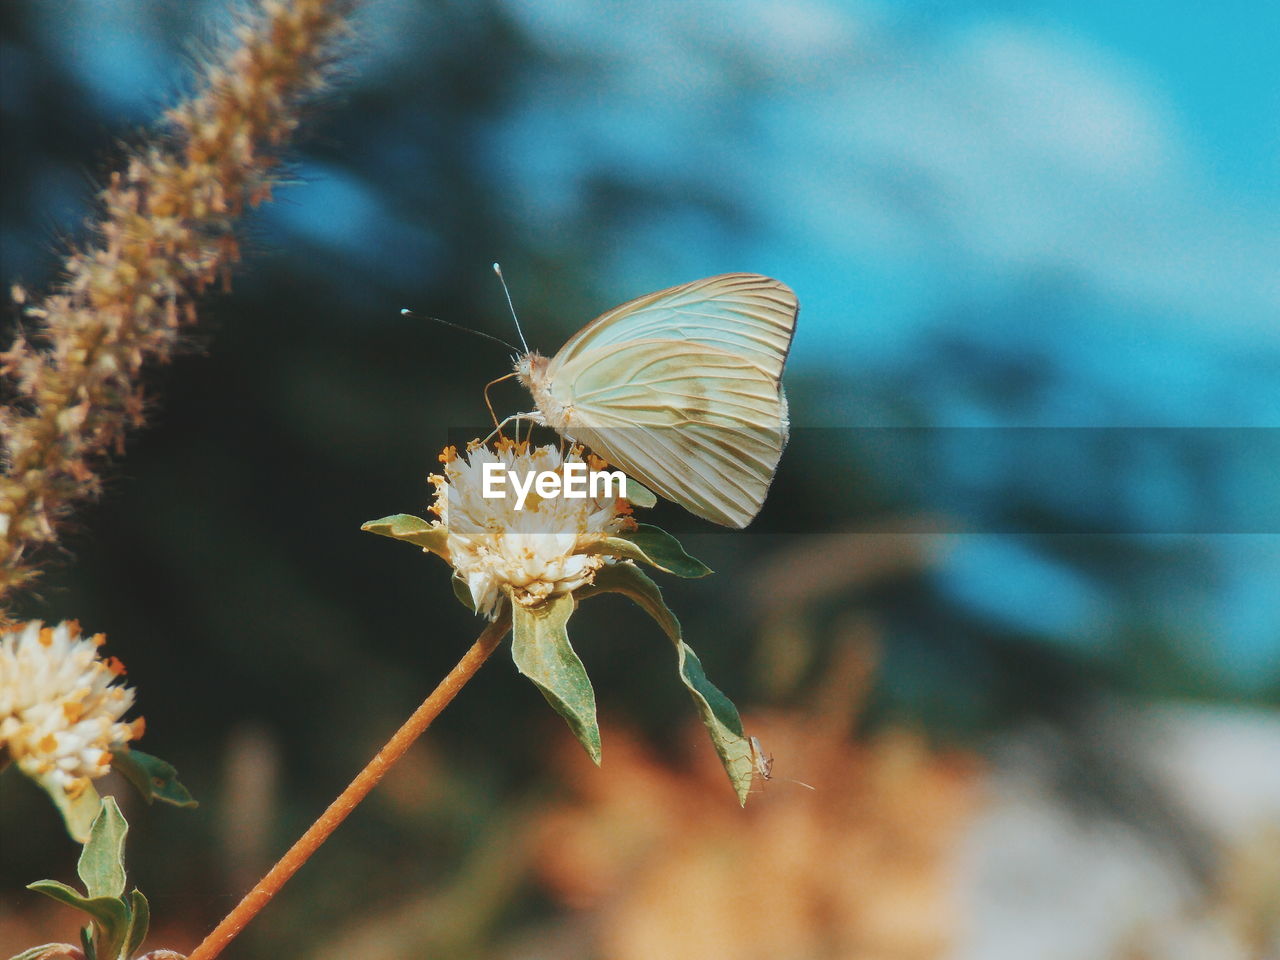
x=681, y=389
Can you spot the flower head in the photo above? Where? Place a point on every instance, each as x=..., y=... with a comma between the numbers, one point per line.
x=60, y=705
x=530, y=550
x=536, y=525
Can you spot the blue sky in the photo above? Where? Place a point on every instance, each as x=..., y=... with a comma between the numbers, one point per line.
x=900, y=160
x=896, y=158
x=903, y=162
x=1216, y=65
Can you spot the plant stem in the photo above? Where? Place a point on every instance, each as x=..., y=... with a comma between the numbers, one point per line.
x=357, y=790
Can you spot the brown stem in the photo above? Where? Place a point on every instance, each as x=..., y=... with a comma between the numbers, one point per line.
x=359, y=788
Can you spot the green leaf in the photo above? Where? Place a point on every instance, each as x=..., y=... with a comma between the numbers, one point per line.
x=140, y=921
x=717, y=711
x=78, y=813
x=462, y=592
x=108, y=944
x=107, y=941
x=654, y=546
x=415, y=530
x=101, y=865
x=108, y=912
x=152, y=777
x=722, y=721
x=639, y=495
x=541, y=650
x=101, y=868
x=665, y=552
x=50, y=951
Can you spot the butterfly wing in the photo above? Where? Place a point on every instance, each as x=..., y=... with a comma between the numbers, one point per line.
x=744, y=314
x=702, y=426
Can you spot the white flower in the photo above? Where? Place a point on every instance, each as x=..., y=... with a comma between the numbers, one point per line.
x=528, y=553
x=59, y=706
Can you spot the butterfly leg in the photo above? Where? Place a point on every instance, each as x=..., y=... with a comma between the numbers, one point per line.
x=489, y=403
x=497, y=430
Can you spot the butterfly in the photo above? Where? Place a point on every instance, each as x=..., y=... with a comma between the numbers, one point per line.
x=681, y=389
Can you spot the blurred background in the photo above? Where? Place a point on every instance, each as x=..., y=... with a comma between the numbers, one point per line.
x=1011, y=608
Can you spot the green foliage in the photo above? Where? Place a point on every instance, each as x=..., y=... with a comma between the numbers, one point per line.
x=152, y=777
x=717, y=711
x=540, y=647
x=411, y=529
x=540, y=639
x=101, y=864
x=110, y=913
x=654, y=546
x=78, y=812
x=118, y=924
x=639, y=495
x=462, y=592
x=139, y=923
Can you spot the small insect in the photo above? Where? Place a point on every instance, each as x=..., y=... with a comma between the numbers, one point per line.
x=763, y=763
x=681, y=389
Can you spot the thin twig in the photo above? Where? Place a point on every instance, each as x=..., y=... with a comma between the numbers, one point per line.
x=359, y=788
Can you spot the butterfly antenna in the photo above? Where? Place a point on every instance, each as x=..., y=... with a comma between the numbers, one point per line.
x=406, y=312
x=511, y=306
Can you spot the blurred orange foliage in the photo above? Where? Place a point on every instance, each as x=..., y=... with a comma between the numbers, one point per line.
x=858, y=867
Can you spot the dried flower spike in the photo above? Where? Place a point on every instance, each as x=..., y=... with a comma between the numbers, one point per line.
x=166, y=232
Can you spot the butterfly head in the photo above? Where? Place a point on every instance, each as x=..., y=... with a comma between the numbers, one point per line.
x=531, y=370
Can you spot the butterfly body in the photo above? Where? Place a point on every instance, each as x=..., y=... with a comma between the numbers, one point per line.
x=681, y=389
x=531, y=370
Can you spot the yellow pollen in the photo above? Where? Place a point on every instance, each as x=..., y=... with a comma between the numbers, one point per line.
x=46, y=636
x=506, y=445
x=98, y=639
x=115, y=666
x=48, y=743
x=72, y=710
x=137, y=728
x=449, y=454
